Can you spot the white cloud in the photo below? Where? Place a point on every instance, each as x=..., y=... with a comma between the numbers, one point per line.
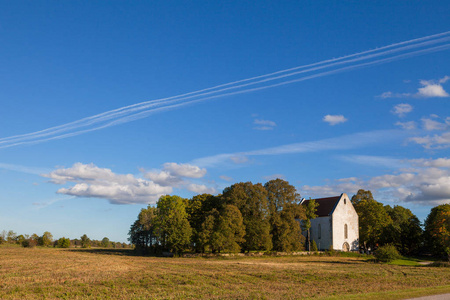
x=433, y=142
x=428, y=183
x=334, y=119
x=444, y=79
x=402, y=109
x=424, y=185
x=429, y=89
x=407, y=125
x=429, y=124
x=264, y=124
x=436, y=163
x=184, y=170
x=163, y=178
x=200, y=189
x=94, y=182
x=436, y=141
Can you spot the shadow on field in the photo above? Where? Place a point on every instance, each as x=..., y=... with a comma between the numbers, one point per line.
x=119, y=252
x=335, y=262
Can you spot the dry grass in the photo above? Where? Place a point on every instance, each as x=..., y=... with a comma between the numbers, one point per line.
x=78, y=274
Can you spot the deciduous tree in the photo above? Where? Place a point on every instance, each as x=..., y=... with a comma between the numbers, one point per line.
x=284, y=209
x=373, y=219
x=310, y=213
x=437, y=230
x=85, y=241
x=172, y=222
x=251, y=200
x=404, y=232
x=46, y=239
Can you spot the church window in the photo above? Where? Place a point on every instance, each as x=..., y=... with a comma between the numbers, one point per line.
x=345, y=232
x=345, y=201
x=320, y=233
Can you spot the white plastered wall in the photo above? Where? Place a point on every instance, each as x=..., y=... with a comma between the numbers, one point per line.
x=325, y=240
x=345, y=213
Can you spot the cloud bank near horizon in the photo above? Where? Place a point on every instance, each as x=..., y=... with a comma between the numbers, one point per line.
x=420, y=181
x=94, y=182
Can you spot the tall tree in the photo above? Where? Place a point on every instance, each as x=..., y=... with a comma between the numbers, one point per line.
x=11, y=237
x=310, y=213
x=46, y=239
x=85, y=241
x=284, y=209
x=228, y=230
x=172, y=223
x=437, y=230
x=373, y=219
x=404, y=232
x=251, y=200
x=105, y=242
x=361, y=195
x=197, y=209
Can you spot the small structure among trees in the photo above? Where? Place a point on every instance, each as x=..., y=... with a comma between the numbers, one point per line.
x=333, y=225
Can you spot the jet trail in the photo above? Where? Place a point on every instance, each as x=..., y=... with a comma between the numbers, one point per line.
x=140, y=110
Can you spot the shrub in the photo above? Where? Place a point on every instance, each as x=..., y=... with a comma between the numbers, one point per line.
x=63, y=243
x=314, y=246
x=29, y=243
x=332, y=252
x=387, y=253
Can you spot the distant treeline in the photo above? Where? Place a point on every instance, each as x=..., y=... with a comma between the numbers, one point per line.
x=46, y=240
x=256, y=217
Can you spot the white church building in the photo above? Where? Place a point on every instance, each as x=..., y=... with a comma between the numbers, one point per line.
x=336, y=224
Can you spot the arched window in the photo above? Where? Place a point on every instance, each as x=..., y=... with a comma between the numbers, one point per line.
x=345, y=200
x=345, y=232
x=320, y=233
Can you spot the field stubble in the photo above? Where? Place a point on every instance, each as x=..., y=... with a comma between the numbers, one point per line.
x=80, y=274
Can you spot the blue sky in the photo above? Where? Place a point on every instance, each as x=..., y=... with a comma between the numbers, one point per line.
x=106, y=105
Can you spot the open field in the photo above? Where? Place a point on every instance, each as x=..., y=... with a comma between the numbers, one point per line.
x=76, y=274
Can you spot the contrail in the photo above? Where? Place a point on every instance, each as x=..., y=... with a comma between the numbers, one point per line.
x=143, y=109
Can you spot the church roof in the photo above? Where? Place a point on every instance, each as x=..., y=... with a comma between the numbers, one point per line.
x=326, y=205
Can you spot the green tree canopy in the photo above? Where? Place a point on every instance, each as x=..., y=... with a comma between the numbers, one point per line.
x=361, y=195
x=437, y=230
x=46, y=239
x=63, y=243
x=284, y=209
x=251, y=200
x=105, y=242
x=373, y=219
x=85, y=241
x=310, y=213
x=198, y=208
x=404, y=232
x=172, y=223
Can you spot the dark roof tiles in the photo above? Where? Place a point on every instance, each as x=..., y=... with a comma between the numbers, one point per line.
x=326, y=205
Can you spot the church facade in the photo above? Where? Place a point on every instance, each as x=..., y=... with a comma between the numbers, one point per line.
x=336, y=225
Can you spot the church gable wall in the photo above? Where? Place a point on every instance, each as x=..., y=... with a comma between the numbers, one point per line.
x=345, y=225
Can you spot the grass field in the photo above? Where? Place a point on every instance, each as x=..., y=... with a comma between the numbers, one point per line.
x=42, y=273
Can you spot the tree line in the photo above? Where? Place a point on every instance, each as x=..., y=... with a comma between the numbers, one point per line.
x=256, y=217
x=47, y=240
x=385, y=225
x=245, y=217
